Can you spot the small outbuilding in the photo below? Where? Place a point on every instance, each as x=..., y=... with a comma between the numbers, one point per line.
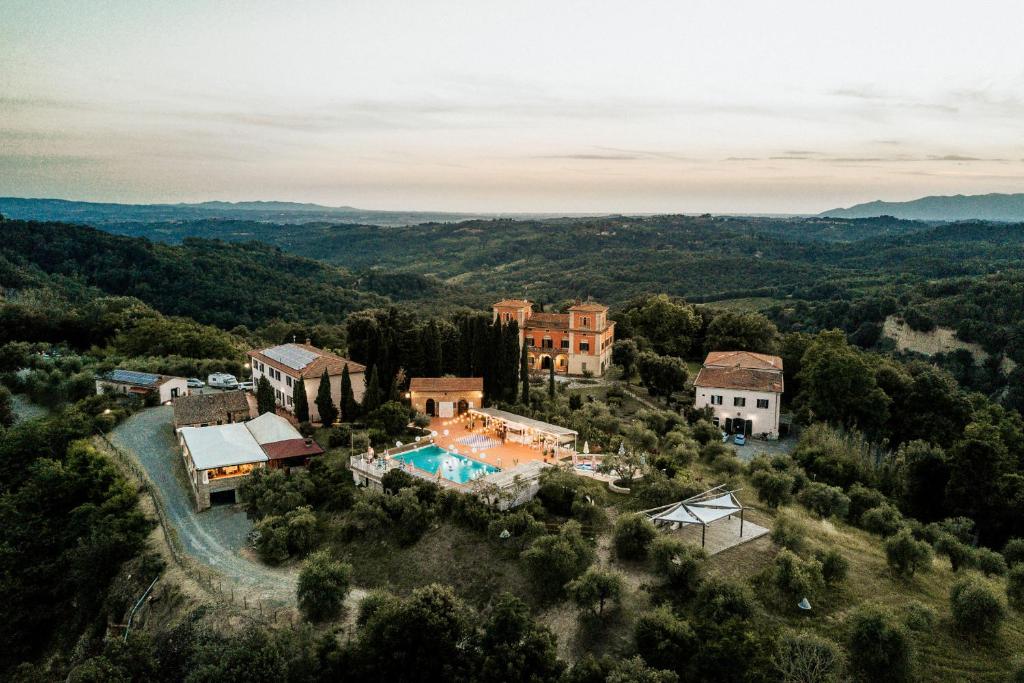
x=203, y=410
x=142, y=384
x=446, y=396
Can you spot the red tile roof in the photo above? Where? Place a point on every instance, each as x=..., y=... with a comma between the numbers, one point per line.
x=325, y=359
x=589, y=306
x=743, y=359
x=429, y=384
x=739, y=378
x=513, y=303
x=550, y=320
x=292, y=448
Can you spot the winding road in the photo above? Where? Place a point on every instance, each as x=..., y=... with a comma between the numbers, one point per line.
x=215, y=537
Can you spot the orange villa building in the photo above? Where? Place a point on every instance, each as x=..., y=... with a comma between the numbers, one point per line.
x=578, y=342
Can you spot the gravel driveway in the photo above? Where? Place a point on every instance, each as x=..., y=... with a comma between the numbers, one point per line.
x=214, y=537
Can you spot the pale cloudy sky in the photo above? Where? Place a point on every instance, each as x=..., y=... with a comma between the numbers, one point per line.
x=474, y=105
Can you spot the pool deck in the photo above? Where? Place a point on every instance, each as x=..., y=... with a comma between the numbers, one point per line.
x=504, y=456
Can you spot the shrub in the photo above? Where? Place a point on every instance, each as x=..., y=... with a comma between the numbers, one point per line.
x=727, y=463
x=989, y=562
x=794, y=577
x=905, y=554
x=664, y=640
x=977, y=610
x=920, y=617
x=834, y=567
x=680, y=563
x=1013, y=551
x=884, y=520
x=879, y=647
x=521, y=526
x=1015, y=586
x=824, y=500
x=959, y=554
x=272, y=539
x=395, y=480
x=960, y=527
x=805, y=657
x=557, y=491
x=594, y=588
x=374, y=601
x=632, y=536
x=721, y=599
x=705, y=432
x=339, y=436
x=556, y=559
x=323, y=584
x=589, y=514
x=773, y=488
x=789, y=532
x=862, y=499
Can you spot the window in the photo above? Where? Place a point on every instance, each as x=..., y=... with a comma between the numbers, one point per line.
x=547, y=343
x=584, y=347
x=739, y=402
x=762, y=403
x=565, y=343
x=289, y=400
x=716, y=400
x=586, y=321
x=288, y=380
x=529, y=341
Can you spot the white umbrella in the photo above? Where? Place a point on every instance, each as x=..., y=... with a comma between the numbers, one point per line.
x=586, y=447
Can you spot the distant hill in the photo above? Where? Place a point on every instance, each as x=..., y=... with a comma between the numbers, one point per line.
x=986, y=207
x=102, y=214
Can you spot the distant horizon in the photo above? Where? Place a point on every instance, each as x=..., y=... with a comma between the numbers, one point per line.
x=788, y=108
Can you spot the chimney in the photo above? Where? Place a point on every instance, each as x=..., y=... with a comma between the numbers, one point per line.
x=309, y=442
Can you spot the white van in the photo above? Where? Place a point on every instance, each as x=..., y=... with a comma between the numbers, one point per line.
x=222, y=380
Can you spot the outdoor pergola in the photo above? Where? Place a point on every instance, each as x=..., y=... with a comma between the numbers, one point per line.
x=528, y=427
x=703, y=509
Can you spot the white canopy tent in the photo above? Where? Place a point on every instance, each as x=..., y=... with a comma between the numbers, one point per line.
x=704, y=508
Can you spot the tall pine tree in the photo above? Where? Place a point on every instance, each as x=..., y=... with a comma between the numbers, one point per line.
x=300, y=402
x=551, y=380
x=524, y=376
x=372, y=397
x=430, y=344
x=265, y=402
x=510, y=360
x=349, y=407
x=324, y=403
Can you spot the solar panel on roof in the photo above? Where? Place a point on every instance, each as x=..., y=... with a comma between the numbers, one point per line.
x=293, y=356
x=132, y=377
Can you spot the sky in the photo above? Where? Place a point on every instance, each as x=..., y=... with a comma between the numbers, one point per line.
x=482, y=106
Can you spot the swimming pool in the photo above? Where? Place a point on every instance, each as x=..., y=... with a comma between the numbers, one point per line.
x=454, y=467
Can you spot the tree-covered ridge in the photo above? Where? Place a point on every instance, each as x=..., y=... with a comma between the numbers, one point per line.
x=211, y=281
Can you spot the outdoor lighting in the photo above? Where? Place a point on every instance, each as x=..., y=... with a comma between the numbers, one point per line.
x=106, y=411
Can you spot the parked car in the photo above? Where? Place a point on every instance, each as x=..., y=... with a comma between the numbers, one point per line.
x=195, y=383
x=247, y=385
x=222, y=380
x=739, y=440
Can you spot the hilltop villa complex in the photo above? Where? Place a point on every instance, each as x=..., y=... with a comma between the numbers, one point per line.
x=578, y=342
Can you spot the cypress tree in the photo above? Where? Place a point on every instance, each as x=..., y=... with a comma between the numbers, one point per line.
x=551, y=380
x=324, y=403
x=510, y=360
x=349, y=407
x=300, y=401
x=372, y=397
x=265, y=402
x=524, y=375
x=433, y=362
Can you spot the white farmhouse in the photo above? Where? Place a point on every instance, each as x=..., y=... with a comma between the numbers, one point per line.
x=743, y=390
x=283, y=365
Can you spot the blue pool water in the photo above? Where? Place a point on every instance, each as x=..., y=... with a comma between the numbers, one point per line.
x=453, y=467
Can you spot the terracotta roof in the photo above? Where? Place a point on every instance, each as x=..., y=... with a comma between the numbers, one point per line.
x=743, y=359
x=428, y=384
x=589, y=306
x=739, y=378
x=291, y=448
x=200, y=408
x=514, y=303
x=324, y=359
x=553, y=320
